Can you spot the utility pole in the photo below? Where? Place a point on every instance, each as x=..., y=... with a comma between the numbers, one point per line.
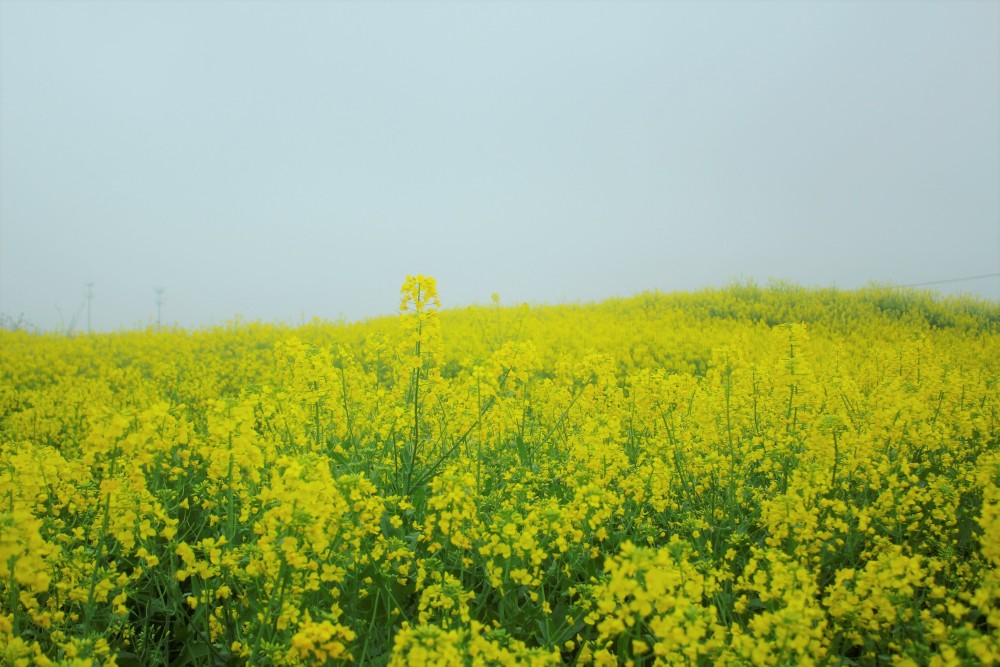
x=159, y=304
x=90, y=297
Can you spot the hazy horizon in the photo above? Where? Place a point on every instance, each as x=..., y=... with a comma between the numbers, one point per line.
x=284, y=161
x=75, y=322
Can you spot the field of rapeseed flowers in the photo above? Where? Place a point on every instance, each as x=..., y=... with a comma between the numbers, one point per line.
x=743, y=476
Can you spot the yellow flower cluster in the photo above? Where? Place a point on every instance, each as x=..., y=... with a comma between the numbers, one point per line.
x=765, y=476
x=478, y=646
x=663, y=601
x=318, y=643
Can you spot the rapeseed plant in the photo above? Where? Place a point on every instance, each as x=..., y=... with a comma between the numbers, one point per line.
x=739, y=476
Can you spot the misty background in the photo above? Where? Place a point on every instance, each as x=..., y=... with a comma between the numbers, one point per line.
x=289, y=160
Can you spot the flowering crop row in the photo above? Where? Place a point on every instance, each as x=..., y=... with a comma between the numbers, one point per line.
x=742, y=476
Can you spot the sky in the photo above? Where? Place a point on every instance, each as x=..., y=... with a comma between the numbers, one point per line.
x=289, y=160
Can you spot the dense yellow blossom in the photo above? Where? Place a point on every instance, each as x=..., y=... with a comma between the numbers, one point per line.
x=765, y=476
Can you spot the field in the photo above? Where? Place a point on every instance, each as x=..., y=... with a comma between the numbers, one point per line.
x=739, y=476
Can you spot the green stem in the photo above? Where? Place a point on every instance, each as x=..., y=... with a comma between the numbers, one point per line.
x=97, y=562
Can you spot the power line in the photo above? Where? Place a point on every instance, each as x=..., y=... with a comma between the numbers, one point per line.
x=953, y=280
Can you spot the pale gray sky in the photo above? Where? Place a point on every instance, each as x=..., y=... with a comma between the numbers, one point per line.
x=283, y=160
